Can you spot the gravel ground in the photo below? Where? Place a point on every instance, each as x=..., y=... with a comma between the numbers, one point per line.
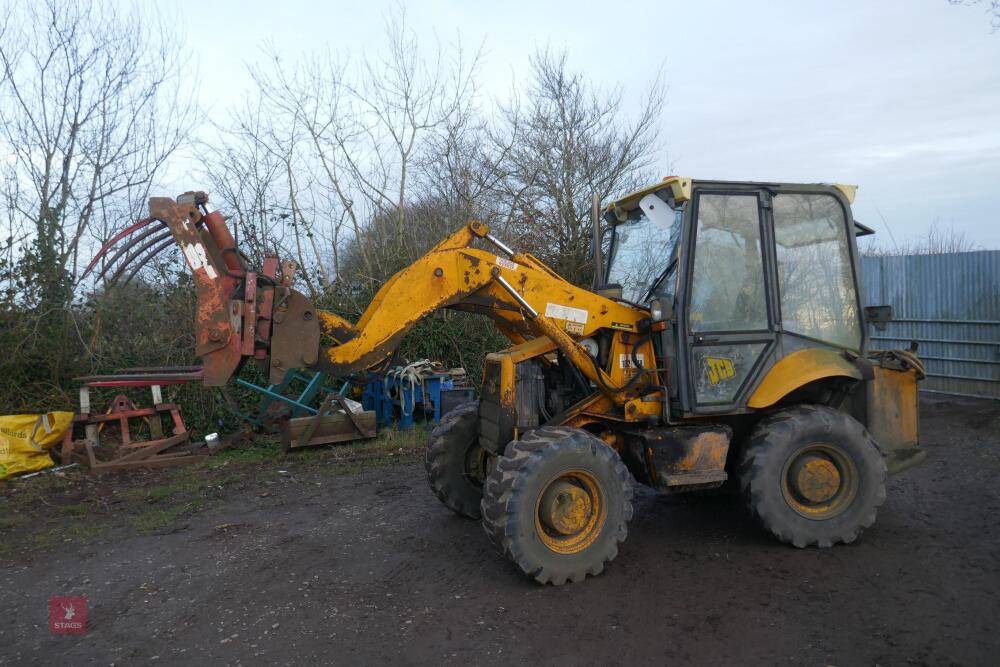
x=321, y=563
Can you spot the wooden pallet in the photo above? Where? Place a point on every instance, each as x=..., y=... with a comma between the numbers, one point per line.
x=325, y=429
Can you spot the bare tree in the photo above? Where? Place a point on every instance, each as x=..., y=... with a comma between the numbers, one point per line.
x=384, y=155
x=245, y=176
x=992, y=8
x=938, y=241
x=399, y=101
x=92, y=105
x=572, y=141
x=350, y=137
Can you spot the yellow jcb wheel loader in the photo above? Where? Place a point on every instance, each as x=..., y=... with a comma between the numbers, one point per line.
x=724, y=342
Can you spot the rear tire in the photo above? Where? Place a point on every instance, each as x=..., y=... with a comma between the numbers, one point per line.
x=455, y=463
x=812, y=475
x=557, y=504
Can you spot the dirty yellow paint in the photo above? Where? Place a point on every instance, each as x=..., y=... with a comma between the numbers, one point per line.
x=893, y=418
x=570, y=512
x=334, y=325
x=706, y=453
x=680, y=189
x=799, y=369
x=452, y=274
x=848, y=191
x=703, y=459
x=820, y=481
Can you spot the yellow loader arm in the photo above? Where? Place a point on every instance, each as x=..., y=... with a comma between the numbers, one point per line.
x=525, y=299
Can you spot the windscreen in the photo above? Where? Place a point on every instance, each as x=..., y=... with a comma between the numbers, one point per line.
x=642, y=248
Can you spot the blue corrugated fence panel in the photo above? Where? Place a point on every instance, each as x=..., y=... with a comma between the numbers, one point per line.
x=950, y=305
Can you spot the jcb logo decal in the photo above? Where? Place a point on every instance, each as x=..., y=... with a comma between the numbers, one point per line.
x=719, y=369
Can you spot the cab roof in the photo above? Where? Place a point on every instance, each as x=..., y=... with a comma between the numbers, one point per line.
x=681, y=187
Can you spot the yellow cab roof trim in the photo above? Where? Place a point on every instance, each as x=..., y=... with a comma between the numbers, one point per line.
x=848, y=191
x=680, y=187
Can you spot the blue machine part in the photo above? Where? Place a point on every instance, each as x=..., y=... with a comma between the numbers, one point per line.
x=406, y=394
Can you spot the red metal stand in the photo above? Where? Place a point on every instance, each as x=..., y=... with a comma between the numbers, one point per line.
x=157, y=452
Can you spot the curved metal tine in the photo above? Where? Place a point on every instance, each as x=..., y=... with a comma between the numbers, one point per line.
x=132, y=242
x=153, y=253
x=133, y=255
x=113, y=240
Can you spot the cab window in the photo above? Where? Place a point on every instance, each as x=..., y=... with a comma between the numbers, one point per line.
x=727, y=288
x=818, y=297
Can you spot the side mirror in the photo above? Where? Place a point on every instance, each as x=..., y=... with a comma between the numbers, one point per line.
x=878, y=316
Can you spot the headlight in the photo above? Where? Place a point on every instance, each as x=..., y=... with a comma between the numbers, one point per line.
x=656, y=310
x=590, y=345
x=661, y=310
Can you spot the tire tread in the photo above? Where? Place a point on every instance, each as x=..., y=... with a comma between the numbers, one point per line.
x=499, y=503
x=767, y=438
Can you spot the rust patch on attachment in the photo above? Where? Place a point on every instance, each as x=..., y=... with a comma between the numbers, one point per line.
x=295, y=341
x=216, y=330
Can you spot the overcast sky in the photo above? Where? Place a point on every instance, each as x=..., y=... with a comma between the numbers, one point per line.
x=901, y=98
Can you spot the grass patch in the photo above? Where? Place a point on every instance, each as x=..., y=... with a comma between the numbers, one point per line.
x=77, y=509
x=162, y=518
x=35, y=533
x=389, y=447
x=186, y=483
x=260, y=450
x=10, y=520
x=78, y=532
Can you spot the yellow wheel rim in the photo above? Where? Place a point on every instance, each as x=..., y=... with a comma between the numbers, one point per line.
x=819, y=481
x=570, y=512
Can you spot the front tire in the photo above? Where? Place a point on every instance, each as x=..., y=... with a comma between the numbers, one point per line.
x=557, y=504
x=454, y=461
x=812, y=475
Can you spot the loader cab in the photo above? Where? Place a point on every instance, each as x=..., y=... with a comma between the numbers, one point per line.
x=747, y=277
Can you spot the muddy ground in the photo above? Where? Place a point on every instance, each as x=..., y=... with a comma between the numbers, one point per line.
x=345, y=557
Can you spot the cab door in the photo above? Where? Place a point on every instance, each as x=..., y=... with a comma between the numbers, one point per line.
x=727, y=306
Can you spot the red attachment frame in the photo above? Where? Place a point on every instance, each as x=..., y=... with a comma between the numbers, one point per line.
x=140, y=380
x=249, y=313
x=115, y=239
x=266, y=307
x=223, y=238
x=234, y=317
